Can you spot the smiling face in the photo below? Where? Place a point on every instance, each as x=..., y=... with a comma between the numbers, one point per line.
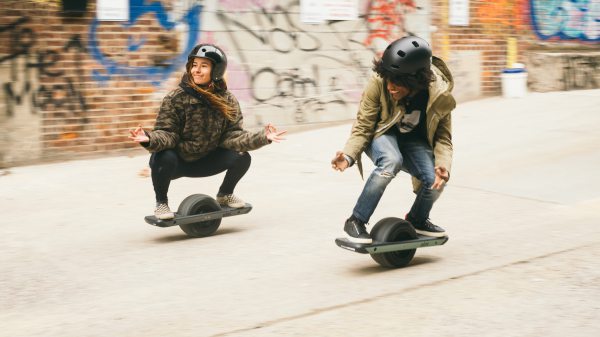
x=397, y=91
x=200, y=70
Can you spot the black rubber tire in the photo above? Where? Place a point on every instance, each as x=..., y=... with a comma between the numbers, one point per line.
x=199, y=204
x=393, y=230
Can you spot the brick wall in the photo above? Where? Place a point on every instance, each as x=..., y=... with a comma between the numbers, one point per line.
x=490, y=25
x=543, y=31
x=57, y=102
x=71, y=86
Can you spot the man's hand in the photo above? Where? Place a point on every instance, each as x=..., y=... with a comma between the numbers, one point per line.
x=441, y=177
x=339, y=162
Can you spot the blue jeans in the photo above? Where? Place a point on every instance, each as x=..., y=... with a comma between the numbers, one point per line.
x=391, y=156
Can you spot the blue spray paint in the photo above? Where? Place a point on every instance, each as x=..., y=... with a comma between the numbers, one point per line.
x=137, y=8
x=153, y=74
x=566, y=19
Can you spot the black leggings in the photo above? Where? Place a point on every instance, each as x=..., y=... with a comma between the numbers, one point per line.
x=167, y=165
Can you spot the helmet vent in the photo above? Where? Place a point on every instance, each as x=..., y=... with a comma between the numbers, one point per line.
x=416, y=44
x=401, y=53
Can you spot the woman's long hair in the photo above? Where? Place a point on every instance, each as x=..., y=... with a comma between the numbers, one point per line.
x=211, y=91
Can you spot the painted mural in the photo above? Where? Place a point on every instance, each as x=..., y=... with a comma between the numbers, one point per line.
x=281, y=69
x=190, y=20
x=310, y=72
x=28, y=63
x=566, y=19
x=505, y=13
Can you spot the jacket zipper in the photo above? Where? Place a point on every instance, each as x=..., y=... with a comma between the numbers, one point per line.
x=390, y=123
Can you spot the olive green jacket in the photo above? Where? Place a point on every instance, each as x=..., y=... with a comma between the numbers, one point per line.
x=378, y=112
x=191, y=126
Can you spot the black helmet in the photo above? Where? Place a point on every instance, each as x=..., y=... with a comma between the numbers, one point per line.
x=407, y=55
x=213, y=53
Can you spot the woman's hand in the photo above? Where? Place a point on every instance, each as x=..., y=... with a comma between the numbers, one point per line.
x=339, y=162
x=272, y=134
x=441, y=177
x=138, y=135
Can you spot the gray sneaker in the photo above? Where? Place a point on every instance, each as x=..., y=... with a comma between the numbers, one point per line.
x=163, y=212
x=230, y=200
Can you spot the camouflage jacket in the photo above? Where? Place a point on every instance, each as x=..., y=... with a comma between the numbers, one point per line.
x=188, y=123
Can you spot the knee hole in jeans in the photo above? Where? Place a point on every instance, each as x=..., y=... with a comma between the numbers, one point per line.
x=386, y=174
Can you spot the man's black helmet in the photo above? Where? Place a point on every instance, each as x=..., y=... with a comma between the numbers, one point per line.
x=213, y=53
x=407, y=55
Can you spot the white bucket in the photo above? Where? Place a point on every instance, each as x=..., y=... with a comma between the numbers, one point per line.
x=514, y=82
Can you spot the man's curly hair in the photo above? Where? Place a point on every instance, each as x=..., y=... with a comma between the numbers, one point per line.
x=417, y=81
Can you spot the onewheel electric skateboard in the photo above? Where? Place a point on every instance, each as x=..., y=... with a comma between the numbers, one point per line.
x=394, y=243
x=198, y=215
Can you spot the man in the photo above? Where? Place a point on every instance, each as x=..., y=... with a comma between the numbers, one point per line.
x=403, y=123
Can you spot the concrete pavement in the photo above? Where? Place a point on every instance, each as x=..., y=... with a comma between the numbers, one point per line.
x=522, y=210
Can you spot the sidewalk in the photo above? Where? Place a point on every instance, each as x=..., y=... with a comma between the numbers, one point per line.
x=521, y=209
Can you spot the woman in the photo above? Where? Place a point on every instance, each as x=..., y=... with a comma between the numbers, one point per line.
x=199, y=133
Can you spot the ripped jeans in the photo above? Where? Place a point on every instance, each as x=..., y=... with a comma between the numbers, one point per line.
x=390, y=157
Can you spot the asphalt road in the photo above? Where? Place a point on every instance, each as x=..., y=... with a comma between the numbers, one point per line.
x=522, y=210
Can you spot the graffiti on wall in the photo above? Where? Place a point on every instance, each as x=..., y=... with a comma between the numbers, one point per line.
x=501, y=13
x=117, y=63
x=566, y=19
x=28, y=65
x=301, y=75
x=385, y=20
x=308, y=69
x=313, y=68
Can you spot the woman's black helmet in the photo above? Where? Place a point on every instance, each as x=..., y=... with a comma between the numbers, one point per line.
x=213, y=53
x=407, y=55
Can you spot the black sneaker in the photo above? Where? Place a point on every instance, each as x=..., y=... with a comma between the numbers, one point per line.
x=427, y=228
x=356, y=231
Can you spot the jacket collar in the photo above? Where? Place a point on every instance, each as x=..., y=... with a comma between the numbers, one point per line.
x=183, y=84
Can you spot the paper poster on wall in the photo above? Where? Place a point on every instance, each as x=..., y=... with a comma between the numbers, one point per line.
x=311, y=11
x=458, y=13
x=341, y=9
x=112, y=10
x=317, y=11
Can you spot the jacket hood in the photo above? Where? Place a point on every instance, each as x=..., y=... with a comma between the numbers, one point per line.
x=445, y=81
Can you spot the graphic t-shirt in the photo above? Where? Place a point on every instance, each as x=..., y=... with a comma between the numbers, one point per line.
x=413, y=122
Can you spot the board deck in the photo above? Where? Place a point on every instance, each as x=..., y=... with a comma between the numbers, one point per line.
x=189, y=219
x=384, y=247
